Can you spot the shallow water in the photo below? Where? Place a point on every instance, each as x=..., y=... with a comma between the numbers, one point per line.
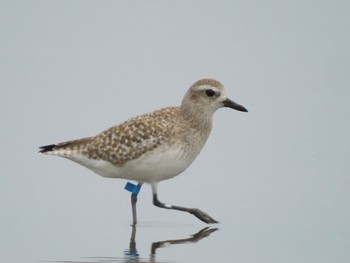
x=132, y=254
x=258, y=223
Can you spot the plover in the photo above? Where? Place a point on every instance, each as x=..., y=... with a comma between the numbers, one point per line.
x=153, y=147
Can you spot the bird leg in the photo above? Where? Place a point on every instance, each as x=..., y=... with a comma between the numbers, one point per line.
x=194, y=211
x=133, y=206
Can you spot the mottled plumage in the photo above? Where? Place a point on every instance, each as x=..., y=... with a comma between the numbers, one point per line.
x=155, y=146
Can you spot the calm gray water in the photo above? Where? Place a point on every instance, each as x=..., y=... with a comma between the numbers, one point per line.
x=277, y=178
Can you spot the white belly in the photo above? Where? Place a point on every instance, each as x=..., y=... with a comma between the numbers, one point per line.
x=152, y=167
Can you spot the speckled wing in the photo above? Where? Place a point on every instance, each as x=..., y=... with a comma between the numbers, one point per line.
x=133, y=138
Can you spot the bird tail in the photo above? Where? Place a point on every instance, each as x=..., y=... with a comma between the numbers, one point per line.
x=47, y=148
x=63, y=147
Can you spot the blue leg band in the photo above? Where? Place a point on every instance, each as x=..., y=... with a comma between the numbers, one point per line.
x=135, y=189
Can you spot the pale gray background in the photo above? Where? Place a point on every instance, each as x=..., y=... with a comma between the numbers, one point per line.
x=277, y=178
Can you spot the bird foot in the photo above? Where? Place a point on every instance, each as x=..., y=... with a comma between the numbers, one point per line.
x=203, y=216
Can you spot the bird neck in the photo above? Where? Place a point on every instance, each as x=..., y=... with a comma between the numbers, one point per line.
x=199, y=117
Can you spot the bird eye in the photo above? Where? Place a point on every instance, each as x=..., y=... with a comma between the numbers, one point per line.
x=210, y=92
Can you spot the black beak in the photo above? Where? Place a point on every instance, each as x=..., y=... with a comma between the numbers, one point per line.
x=233, y=105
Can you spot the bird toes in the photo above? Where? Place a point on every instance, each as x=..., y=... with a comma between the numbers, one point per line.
x=203, y=216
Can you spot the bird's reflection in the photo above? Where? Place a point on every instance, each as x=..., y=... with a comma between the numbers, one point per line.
x=131, y=254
